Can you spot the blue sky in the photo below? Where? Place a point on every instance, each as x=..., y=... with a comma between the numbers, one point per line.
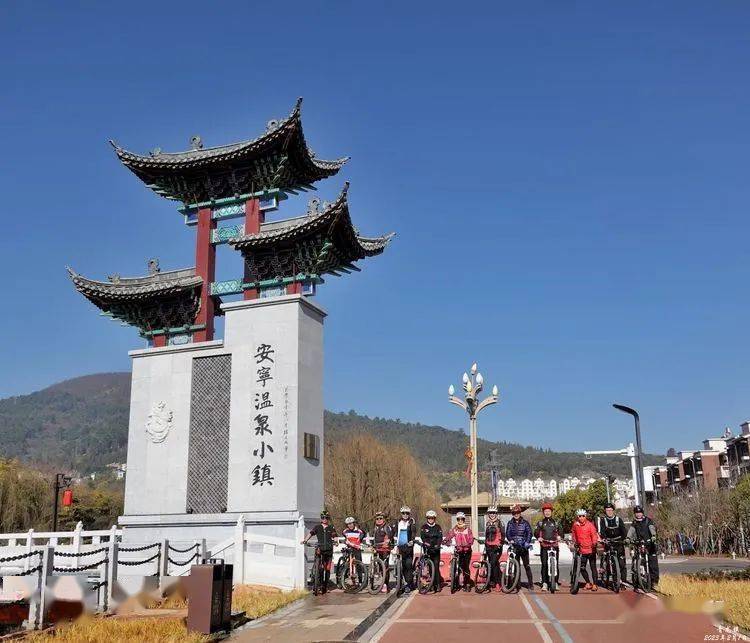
x=568, y=181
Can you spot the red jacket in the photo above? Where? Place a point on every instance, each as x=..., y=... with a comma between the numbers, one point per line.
x=585, y=535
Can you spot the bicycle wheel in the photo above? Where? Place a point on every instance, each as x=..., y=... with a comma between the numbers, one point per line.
x=552, y=573
x=341, y=563
x=644, y=576
x=355, y=577
x=425, y=575
x=398, y=573
x=377, y=575
x=511, y=576
x=454, y=575
x=482, y=576
x=574, y=574
x=315, y=574
x=614, y=564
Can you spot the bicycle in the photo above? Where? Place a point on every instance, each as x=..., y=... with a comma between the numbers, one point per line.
x=376, y=571
x=351, y=573
x=641, y=567
x=316, y=572
x=398, y=570
x=551, y=563
x=575, y=570
x=610, y=567
x=509, y=582
x=455, y=571
x=482, y=574
x=424, y=570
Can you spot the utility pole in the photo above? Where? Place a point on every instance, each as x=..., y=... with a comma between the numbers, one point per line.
x=61, y=482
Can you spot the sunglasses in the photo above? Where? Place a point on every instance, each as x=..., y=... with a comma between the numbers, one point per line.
x=460, y=519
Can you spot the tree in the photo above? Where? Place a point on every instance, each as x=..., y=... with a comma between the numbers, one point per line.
x=363, y=476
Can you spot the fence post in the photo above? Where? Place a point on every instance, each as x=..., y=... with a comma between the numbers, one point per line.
x=113, y=554
x=29, y=549
x=106, y=578
x=77, y=538
x=38, y=611
x=299, y=536
x=239, y=549
x=163, y=561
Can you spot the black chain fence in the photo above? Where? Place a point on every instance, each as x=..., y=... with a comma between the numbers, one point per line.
x=134, y=563
x=63, y=554
x=144, y=548
x=184, y=562
x=183, y=551
x=32, y=570
x=8, y=559
x=82, y=568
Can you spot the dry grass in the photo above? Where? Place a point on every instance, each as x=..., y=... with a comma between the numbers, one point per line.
x=254, y=601
x=92, y=629
x=694, y=595
x=257, y=602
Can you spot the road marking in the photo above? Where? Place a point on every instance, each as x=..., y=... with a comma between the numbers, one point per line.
x=555, y=623
x=537, y=623
x=490, y=621
x=393, y=619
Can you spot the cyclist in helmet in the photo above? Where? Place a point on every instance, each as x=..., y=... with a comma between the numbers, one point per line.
x=585, y=536
x=494, y=535
x=547, y=532
x=432, y=537
x=518, y=532
x=354, y=537
x=463, y=539
x=612, y=529
x=382, y=536
x=325, y=533
x=404, y=530
x=643, y=528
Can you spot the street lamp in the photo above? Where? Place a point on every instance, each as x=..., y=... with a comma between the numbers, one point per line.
x=473, y=385
x=638, y=447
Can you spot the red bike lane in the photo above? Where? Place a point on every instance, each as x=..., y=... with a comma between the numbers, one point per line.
x=535, y=616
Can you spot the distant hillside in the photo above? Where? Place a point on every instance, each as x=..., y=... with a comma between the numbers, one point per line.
x=82, y=424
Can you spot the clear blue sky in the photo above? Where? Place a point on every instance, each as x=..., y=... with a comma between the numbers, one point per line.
x=568, y=181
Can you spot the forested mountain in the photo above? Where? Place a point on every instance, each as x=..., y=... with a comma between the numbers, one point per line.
x=82, y=424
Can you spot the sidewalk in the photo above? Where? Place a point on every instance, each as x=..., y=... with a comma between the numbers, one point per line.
x=316, y=618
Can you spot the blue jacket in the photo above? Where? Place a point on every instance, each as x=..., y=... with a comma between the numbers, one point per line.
x=518, y=532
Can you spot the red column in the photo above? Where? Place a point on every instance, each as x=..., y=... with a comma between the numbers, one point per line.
x=253, y=218
x=159, y=340
x=205, y=267
x=294, y=288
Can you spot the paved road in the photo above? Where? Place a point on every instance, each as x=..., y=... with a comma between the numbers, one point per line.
x=560, y=618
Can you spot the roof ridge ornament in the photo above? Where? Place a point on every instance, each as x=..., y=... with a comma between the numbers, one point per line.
x=273, y=124
x=153, y=266
x=196, y=142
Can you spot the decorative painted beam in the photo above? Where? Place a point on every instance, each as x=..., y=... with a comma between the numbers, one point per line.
x=224, y=234
x=173, y=331
x=237, y=286
x=263, y=194
x=230, y=287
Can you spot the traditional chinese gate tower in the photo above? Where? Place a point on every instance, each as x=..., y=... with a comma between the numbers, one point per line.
x=231, y=429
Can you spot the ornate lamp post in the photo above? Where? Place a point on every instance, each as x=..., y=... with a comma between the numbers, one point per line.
x=473, y=385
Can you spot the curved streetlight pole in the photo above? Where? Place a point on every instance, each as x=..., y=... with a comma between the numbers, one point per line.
x=638, y=449
x=473, y=385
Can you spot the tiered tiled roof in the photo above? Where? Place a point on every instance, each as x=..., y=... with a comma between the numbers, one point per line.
x=278, y=159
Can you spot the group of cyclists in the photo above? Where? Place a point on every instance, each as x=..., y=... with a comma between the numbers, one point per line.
x=590, y=541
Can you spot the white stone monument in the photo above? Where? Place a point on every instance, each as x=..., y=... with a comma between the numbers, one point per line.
x=231, y=428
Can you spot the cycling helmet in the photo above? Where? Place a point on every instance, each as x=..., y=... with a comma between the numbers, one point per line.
x=405, y=510
x=349, y=519
x=547, y=505
x=609, y=505
x=461, y=514
x=581, y=512
x=638, y=509
x=492, y=510
x=431, y=514
x=324, y=514
x=379, y=514
x=516, y=509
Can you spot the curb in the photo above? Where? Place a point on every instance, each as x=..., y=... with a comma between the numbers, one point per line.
x=367, y=623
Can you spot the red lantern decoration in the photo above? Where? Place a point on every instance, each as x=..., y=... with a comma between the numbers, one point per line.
x=67, y=499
